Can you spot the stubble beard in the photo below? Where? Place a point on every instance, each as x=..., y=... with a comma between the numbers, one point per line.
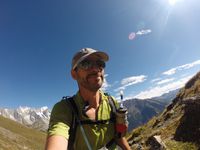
x=93, y=85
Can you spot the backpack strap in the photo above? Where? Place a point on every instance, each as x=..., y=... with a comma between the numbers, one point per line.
x=73, y=126
x=112, y=104
x=76, y=120
x=113, y=115
x=75, y=123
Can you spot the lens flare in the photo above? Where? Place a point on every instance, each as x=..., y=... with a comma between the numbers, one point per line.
x=131, y=36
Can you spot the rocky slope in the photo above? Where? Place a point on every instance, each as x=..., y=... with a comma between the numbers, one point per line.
x=177, y=127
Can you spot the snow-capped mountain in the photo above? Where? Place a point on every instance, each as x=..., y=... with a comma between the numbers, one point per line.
x=140, y=111
x=33, y=117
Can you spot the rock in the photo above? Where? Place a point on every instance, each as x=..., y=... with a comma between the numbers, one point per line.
x=155, y=143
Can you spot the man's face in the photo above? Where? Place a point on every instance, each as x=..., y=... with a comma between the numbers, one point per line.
x=92, y=77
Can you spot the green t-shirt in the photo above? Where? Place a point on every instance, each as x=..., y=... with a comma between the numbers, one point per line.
x=98, y=134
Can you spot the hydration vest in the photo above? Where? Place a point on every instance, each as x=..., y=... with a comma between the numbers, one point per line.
x=76, y=121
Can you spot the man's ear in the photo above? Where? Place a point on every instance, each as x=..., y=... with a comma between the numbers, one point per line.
x=73, y=74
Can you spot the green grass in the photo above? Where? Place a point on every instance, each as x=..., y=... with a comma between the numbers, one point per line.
x=14, y=136
x=194, y=88
x=175, y=145
x=165, y=125
x=166, y=128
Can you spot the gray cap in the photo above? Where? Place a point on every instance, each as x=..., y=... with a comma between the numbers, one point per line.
x=84, y=53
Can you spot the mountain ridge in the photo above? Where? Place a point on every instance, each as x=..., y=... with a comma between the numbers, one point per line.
x=140, y=111
x=177, y=127
x=37, y=118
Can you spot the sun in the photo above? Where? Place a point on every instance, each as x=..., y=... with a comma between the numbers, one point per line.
x=172, y=2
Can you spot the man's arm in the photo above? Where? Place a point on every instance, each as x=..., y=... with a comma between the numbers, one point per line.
x=122, y=142
x=56, y=142
x=59, y=125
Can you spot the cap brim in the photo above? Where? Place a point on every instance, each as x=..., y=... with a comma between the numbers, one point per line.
x=101, y=55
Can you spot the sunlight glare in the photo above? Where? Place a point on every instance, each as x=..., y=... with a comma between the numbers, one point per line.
x=172, y=2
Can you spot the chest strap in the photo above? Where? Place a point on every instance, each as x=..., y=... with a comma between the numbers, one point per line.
x=76, y=120
x=97, y=121
x=73, y=127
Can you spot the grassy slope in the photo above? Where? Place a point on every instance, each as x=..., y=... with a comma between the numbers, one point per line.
x=14, y=136
x=166, y=123
x=156, y=127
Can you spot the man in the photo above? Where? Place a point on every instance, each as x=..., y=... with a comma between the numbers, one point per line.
x=88, y=70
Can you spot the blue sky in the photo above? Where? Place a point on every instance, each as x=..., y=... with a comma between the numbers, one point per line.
x=153, y=46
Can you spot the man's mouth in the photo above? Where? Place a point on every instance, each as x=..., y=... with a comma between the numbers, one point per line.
x=96, y=76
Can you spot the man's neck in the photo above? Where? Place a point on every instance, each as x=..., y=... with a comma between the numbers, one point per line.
x=92, y=97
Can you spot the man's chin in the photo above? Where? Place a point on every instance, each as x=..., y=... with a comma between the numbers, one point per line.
x=96, y=83
x=96, y=87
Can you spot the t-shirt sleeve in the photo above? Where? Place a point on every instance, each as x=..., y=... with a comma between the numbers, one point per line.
x=60, y=120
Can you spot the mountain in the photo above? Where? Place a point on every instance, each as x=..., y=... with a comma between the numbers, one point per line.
x=167, y=97
x=140, y=111
x=31, y=117
x=177, y=127
x=15, y=136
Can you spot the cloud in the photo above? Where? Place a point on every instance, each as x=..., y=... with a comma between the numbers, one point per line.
x=165, y=81
x=132, y=35
x=155, y=80
x=120, y=88
x=170, y=72
x=142, y=32
x=182, y=67
x=131, y=81
x=159, y=90
x=105, y=75
x=105, y=85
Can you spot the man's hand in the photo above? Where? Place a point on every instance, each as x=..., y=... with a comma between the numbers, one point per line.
x=122, y=142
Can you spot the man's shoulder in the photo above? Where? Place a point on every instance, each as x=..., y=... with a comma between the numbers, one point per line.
x=62, y=106
x=61, y=102
x=109, y=97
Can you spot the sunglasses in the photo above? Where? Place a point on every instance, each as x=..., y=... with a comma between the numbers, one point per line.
x=88, y=64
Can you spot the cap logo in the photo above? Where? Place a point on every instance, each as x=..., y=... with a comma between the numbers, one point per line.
x=87, y=50
x=84, y=50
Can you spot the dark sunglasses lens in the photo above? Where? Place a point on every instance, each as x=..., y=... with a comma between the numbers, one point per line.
x=100, y=64
x=85, y=64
